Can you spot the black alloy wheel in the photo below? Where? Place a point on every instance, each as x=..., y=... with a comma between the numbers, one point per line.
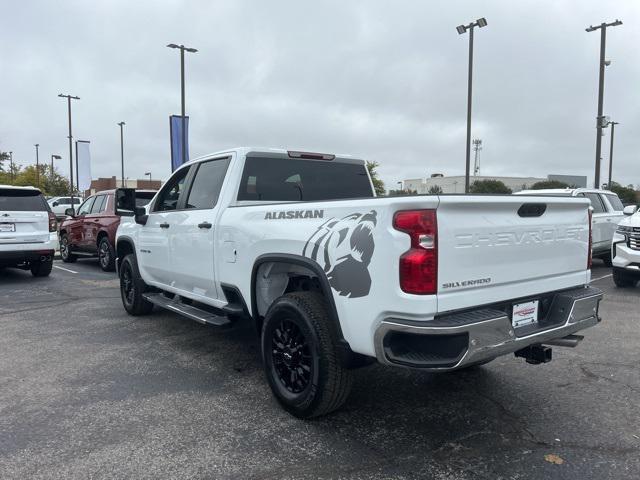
x=291, y=356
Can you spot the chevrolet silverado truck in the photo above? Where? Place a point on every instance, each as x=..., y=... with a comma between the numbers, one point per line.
x=625, y=249
x=334, y=278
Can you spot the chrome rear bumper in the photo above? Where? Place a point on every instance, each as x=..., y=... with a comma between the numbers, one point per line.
x=461, y=339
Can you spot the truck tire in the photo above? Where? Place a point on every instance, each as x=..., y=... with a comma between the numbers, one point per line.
x=132, y=287
x=608, y=262
x=41, y=269
x=300, y=356
x=622, y=279
x=65, y=250
x=106, y=255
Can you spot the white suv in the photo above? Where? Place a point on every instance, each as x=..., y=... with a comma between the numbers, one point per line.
x=625, y=249
x=59, y=205
x=607, y=212
x=28, y=236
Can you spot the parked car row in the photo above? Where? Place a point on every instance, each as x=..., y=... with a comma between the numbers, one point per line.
x=90, y=230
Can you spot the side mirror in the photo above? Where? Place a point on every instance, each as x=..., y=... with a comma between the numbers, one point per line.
x=141, y=215
x=125, y=202
x=630, y=209
x=70, y=212
x=55, y=204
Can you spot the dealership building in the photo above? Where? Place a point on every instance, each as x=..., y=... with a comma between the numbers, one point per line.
x=455, y=184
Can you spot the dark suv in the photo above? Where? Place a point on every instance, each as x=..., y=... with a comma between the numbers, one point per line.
x=92, y=230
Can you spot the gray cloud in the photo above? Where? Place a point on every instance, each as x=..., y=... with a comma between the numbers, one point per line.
x=382, y=80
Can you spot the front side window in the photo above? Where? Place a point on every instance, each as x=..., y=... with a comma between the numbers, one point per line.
x=85, y=208
x=170, y=194
x=285, y=179
x=207, y=184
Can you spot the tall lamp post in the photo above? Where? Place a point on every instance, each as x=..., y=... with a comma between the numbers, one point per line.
x=122, y=124
x=148, y=173
x=57, y=157
x=69, y=98
x=37, y=145
x=481, y=22
x=599, y=123
x=613, y=126
x=182, y=49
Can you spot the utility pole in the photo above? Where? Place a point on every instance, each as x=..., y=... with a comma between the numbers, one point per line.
x=481, y=22
x=122, y=124
x=69, y=98
x=600, y=124
x=57, y=157
x=477, y=146
x=148, y=173
x=613, y=126
x=182, y=95
x=37, y=145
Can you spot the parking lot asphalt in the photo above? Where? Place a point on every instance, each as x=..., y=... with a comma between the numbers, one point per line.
x=87, y=391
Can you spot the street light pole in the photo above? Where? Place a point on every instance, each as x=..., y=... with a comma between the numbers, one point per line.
x=37, y=145
x=11, y=166
x=122, y=124
x=613, y=126
x=148, y=173
x=182, y=95
x=57, y=157
x=599, y=122
x=69, y=98
x=481, y=22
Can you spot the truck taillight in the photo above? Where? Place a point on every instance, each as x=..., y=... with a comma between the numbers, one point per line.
x=53, y=223
x=419, y=264
x=590, y=254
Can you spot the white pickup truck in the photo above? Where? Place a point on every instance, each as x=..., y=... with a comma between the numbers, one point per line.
x=334, y=278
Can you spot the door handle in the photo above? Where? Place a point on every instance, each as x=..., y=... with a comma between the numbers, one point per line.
x=204, y=225
x=164, y=225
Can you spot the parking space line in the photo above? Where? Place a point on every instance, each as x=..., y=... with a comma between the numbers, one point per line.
x=600, y=278
x=65, y=269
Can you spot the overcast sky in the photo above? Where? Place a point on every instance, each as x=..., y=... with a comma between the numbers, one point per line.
x=379, y=79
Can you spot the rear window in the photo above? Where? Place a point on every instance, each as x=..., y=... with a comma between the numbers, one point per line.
x=291, y=180
x=143, y=198
x=615, y=202
x=18, y=200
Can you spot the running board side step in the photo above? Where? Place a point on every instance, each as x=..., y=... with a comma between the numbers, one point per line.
x=189, y=311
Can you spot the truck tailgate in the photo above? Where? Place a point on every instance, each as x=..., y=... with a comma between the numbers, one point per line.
x=494, y=248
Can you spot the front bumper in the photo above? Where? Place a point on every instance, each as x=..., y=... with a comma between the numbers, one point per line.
x=461, y=339
x=623, y=256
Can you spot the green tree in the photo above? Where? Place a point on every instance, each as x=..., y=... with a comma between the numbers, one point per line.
x=378, y=184
x=401, y=193
x=489, y=186
x=4, y=157
x=51, y=183
x=627, y=194
x=549, y=184
x=435, y=190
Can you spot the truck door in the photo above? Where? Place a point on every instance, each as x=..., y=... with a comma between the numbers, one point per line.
x=76, y=226
x=153, y=238
x=192, y=233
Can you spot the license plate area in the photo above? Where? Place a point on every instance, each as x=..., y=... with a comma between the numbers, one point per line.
x=525, y=314
x=7, y=227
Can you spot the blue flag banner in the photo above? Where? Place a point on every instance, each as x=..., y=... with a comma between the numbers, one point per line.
x=175, y=129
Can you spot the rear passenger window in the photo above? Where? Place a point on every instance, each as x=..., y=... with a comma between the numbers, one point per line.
x=207, y=183
x=98, y=204
x=596, y=202
x=615, y=202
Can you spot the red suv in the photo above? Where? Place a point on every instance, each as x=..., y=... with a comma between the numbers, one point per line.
x=92, y=230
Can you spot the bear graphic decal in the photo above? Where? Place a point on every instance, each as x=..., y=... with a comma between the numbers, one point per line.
x=343, y=248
